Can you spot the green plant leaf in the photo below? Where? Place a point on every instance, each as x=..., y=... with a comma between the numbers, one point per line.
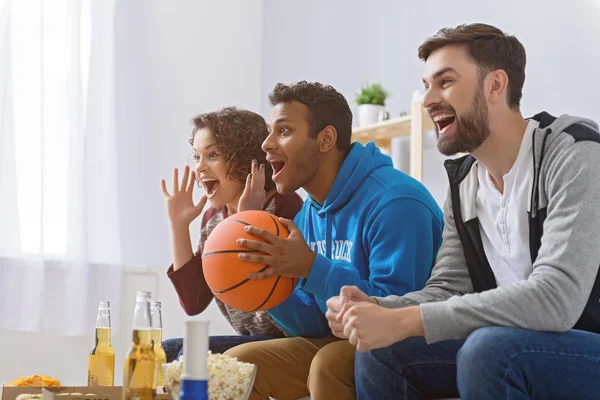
x=371, y=94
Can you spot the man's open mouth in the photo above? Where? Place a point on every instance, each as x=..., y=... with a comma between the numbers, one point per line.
x=277, y=165
x=444, y=121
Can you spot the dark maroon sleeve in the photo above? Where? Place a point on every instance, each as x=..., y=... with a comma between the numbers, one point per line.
x=287, y=205
x=189, y=282
x=190, y=285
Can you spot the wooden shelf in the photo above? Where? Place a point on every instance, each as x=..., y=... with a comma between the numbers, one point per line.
x=413, y=125
x=389, y=129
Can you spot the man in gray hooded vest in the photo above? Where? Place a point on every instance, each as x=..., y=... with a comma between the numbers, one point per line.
x=512, y=307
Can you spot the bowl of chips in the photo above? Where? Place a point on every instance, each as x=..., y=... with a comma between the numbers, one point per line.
x=35, y=381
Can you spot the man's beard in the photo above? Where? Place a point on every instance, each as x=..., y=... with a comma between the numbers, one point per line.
x=472, y=128
x=306, y=164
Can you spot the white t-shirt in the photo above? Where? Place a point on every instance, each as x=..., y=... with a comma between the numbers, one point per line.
x=503, y=219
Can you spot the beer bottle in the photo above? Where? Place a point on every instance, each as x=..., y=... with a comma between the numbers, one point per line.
x=140, y=364
x=101, y=362
x=161, y=356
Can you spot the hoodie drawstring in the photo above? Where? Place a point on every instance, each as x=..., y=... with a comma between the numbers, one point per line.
x=328, y=225
x=308, y=227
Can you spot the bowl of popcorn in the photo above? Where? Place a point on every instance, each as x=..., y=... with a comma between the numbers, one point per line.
x=228, y=378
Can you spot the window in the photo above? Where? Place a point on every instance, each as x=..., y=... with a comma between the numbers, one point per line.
x=50, y=46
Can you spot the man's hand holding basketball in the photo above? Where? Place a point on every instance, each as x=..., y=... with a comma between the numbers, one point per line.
x=289, y=256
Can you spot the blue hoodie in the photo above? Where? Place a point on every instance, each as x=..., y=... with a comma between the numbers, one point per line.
x=378, y=229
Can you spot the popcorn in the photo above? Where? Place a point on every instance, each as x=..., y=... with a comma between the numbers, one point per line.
x=228, y=378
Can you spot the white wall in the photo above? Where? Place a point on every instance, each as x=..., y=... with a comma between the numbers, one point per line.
x=174, y=60
x=347, y=42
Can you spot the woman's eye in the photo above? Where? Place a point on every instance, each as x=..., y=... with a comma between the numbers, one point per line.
x=213, y=155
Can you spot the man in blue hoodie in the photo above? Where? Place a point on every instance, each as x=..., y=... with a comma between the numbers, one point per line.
x=364, y=224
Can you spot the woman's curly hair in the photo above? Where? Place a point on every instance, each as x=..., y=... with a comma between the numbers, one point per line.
x=238, y=135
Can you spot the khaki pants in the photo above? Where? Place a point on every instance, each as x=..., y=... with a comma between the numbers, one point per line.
x=290, y=368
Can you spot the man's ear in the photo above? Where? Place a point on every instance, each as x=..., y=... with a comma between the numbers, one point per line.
x=327, y=139
x=498, y=86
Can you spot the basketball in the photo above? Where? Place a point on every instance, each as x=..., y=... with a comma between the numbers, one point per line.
x=225, y=274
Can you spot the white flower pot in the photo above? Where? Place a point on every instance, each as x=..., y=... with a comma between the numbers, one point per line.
x=369, y=114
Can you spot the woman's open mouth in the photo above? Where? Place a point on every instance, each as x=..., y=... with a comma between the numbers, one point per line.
x=210, y=186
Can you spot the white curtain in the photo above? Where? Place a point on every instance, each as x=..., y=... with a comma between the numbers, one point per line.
x=59, y=221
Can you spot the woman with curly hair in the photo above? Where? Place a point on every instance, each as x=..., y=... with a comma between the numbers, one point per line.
x=231, y=167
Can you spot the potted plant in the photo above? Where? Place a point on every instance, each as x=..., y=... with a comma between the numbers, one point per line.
x=371, y=103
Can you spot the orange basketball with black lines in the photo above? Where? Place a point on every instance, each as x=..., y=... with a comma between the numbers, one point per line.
x=226, y=275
